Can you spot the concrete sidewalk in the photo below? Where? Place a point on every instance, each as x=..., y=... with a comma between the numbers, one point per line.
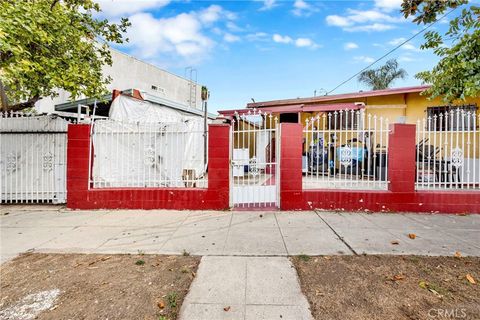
x=249, y=288
x=52, y=229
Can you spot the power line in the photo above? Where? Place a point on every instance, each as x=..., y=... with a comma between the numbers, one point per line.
x=389, y=52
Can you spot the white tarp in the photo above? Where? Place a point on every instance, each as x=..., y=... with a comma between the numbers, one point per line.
x=128, y=109
x=147, y=145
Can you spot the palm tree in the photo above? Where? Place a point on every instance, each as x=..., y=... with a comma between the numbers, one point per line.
x=382, y=77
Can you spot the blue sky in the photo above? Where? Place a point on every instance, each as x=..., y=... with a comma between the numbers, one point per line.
x=270, y=49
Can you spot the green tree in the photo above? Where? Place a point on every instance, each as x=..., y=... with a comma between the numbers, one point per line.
x=46, y=45
x=457, y=75
x=383, y=76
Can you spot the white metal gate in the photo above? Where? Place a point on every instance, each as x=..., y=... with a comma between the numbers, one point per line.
x=33, y=158
x=254, y=141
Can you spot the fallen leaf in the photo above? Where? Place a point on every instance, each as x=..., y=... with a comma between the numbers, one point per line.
x=457, y=254
x=161, y=304
x=327, y=258
x=395, y=242
x=226, y=308
x=412, y=235
x=470, y=279
x=396, y=277
x=435, y=293
x=318, y=293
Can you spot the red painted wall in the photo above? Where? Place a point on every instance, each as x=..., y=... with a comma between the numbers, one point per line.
x=215, y=197
x=401, y=196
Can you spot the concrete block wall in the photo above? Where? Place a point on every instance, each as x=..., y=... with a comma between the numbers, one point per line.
x=80, y=196
x=401, y=195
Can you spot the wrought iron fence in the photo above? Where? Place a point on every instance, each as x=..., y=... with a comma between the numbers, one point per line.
x=129, y=154
x=33, y=153
x=346, y=149
x=447, y=151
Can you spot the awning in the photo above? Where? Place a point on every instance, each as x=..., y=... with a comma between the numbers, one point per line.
x=332, y=107
x=284, y=109
x=294, y=108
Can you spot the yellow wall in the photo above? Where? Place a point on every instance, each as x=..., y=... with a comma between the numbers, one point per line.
x=417, y=106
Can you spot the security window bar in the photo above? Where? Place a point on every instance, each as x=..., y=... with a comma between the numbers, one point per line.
x=452, y=118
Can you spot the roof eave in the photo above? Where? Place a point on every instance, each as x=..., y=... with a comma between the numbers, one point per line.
x=344, y=96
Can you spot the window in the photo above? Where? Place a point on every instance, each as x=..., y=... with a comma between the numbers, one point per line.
x=342, y=120
x=289, y=117
x=451, y=118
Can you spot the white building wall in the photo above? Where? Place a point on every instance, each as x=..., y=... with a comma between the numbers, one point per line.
x=128, y=72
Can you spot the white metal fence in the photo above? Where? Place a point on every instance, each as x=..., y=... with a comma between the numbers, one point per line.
x=129, y=154
x=346, y=149
x=33, y=158
x=448, y=147
x=255, y=164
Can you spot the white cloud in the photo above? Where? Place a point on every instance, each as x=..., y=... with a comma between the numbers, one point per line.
x=362, y=16
x=370, y=27
x=299, y=42
x=233, y=27
x=228, y=37
x=389, y=5
x=117, y=8
x=407, y=46
x=406, y=58
x=396, y=42
x=304, y=42
x=211, y=14
x=302, y=8
x=364, y=20
x=338, y=21
x=350, y=46
x=268, y=5
x=258, y=36
x=364, y=59
x=180, y=35
x=281, y=39
x=180, y=38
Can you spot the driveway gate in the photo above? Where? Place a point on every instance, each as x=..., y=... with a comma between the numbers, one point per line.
x=33, y=158
x=254, y=143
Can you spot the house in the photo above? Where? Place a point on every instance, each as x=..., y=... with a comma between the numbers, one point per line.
x=129, y=73
x=345, y=136
x=405, y=105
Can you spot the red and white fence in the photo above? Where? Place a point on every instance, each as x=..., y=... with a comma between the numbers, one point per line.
x=346, y=149
x=447, y=151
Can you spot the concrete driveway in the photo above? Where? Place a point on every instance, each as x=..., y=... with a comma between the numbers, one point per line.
x=55, y=229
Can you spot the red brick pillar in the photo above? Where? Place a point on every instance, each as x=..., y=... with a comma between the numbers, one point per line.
x=401, y=158
x=219, y=165
x=77, y=165
x=291, y=135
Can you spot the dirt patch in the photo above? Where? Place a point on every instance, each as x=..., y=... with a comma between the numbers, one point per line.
x=390, y=287
x=80, y=286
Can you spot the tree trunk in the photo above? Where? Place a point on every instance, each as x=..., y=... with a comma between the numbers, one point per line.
x=30, y=103
x=3, y=98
